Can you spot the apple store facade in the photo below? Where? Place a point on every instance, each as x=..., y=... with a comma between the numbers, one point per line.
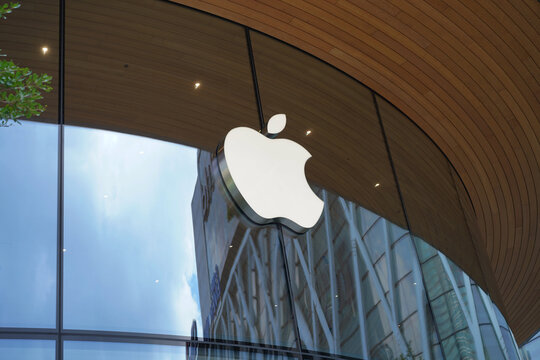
x=118, y=239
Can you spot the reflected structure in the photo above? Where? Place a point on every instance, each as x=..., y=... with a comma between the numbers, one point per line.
x=19, y=349
x=156, y=251
x=120, y=246
x=240, y=268
x=358, y=283
x=28, y=232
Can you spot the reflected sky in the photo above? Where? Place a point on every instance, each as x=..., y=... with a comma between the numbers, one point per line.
x=89, y=350
x=18, y=349
x=28, y=212
x=129, y=259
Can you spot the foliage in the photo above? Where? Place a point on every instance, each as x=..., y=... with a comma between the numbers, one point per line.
x=20, y=88
x=8, y=8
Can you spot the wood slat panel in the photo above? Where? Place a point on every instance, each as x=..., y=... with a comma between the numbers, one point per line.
x=341, y=115
x=131, y=66
x=467, y=73
x=22, y=44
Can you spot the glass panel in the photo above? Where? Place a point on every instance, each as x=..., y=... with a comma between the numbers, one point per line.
x=437, y=353
x=427, y=185
x=129, y=261
x=338, y=301
x=375, y=239
x=448, y=314
x=28, y=213
x=334, y=118
x=509, y=344
x=459, y=346
x=492, y=349
x=481, y=312
x=425, y=251
x=29, y=38
x=89, y=350
x=437, y=282
x=18, y=349
x=406, y=293
x=366, y=219
x=410, y=328
x=152, y=245
x=386, y=350
x=242, y=282
x=404, y=255
x=133, y=66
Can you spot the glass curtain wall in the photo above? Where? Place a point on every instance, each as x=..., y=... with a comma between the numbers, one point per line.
x=118, y=246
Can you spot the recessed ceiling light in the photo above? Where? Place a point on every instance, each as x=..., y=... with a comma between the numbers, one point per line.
x=377, y=185
x=156, y=281
x=64, y=250
x=197, y=85
x=230, y=246
x=44, y=50
x=141, y=152
x=105, y=196
x=308, y=132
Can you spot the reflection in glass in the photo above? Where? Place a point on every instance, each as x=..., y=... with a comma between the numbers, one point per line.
x=89, y=350
x=349, y=154
x=353, y=293
x=133, y=65
x=428, y=188
x=241, y=275
x=129, y=252
x=28, y=213
x=23, y=35
x=18, y=349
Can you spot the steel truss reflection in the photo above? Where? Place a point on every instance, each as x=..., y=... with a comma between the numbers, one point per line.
x=317, y=323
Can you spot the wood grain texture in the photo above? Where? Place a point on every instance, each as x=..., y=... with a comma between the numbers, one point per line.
x=467, y=73
x=131, y=66
x=23, y=45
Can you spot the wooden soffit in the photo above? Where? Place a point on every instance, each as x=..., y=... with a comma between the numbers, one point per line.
x=467, y=73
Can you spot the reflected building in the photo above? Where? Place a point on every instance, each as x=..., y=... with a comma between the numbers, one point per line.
x=362, y=287
x=241, y=277
x=118, y=240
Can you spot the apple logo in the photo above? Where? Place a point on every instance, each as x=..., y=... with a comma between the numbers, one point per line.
x=266, y=179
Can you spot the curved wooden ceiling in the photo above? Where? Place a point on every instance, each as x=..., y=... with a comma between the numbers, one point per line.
x=467, y=72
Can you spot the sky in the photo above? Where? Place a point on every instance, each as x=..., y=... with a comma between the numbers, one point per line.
x=129, y=259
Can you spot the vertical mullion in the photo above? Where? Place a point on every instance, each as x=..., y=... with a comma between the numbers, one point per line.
x=60, y=204
x=278, y=227
x=289, y=289
x=402, y=201
x=255, y=81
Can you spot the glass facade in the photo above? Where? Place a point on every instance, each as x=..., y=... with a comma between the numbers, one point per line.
x=117, y=246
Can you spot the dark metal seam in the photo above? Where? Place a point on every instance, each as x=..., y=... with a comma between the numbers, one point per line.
x=255, y=81
x=400, y=195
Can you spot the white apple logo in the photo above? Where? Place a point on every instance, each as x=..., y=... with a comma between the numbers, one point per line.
x=266, y=178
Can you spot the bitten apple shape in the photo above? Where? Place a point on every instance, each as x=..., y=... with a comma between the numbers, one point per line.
x=266, y=178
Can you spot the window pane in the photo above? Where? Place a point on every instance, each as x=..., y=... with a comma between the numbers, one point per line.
x=88, y=350
x=427, y=184
x=28, y=213
x=152, y=245
x=338, y=301
x=129, y=260
x=334, y=118
x=492, y=348
x=241, y=278
x=15, y=349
